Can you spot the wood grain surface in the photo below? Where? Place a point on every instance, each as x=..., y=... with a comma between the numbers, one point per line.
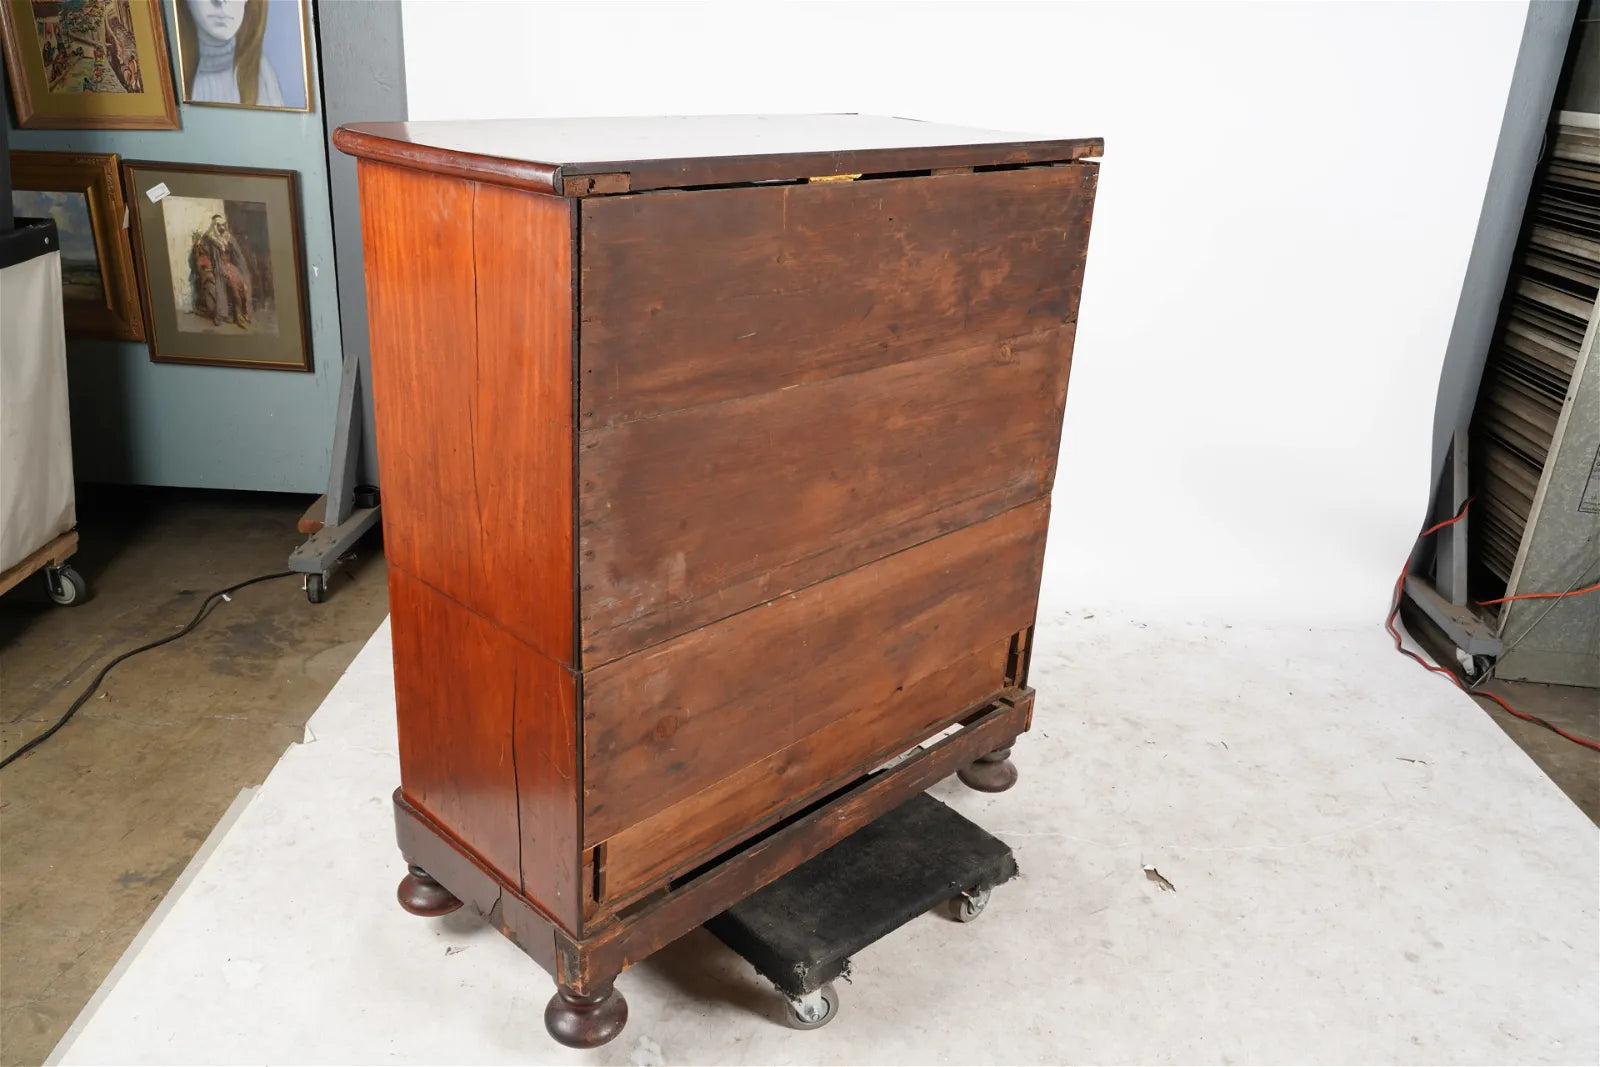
x=692, y=297
x=697, y=514
x=665, y=723
x=469, y=292
x=434, y=847
x=488, y=742
x=470, y=307
x=560, y=155
x=702, y=503
x=456, y=685
x=607, y=950
x=678, y=837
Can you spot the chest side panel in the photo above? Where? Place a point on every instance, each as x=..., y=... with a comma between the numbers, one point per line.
x=488, y=742
x=470, y=309
x=470, y=303
x=667, y=723
x=782, y=383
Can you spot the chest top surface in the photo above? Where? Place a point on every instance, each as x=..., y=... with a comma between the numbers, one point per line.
x=637, y=154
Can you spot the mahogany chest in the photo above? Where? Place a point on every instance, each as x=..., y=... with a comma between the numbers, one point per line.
x=716, y=458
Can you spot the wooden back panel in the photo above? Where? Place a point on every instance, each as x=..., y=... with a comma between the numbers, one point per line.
x=779, y=384
x=667, y=723
x=695, y=296
x=693, y=516
x=471, y=311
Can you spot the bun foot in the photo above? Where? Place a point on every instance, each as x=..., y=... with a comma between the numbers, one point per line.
x=421, y=895
x=994, y=773
x=586, y=1022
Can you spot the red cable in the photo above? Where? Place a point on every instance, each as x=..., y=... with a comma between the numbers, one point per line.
x=1539, y=596
x=1399, y=644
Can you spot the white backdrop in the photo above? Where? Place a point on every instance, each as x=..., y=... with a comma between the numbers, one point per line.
x=1286, y=207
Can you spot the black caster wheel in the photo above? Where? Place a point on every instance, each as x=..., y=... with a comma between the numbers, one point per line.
x=969, y=905
x=316, y=588
x=65, y=585
x=814, y=1010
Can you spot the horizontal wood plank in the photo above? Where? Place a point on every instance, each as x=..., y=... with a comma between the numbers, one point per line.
x=556, y=155
x=691, y=297
x=646, y=174
x=619, y=944
x=698, y=514
x=665, y=723
x=748, y=800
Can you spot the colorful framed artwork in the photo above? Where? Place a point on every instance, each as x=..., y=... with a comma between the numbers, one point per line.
x=83, y=194
x=88, y=64
x=245, y=53
x=219, y=249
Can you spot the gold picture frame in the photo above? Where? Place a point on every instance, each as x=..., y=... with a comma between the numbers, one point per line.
x=92, y=65
x=83, y=194
x=221, y=256
x=254, y=55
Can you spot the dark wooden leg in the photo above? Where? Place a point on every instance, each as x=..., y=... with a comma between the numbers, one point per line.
x=421, y=895
x=586, y=1021
x=994, y=773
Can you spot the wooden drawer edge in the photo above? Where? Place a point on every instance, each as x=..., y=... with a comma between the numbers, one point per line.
x=623, y=941
x=671, y=866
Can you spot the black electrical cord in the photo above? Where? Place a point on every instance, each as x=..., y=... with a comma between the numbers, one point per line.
x=83, y=698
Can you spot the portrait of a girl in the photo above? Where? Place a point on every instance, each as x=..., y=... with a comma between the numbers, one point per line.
x=248, y=53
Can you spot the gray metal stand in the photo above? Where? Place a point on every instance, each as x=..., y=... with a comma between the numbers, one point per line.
x=343, y=522
x=1444, y=599
x=363, y=79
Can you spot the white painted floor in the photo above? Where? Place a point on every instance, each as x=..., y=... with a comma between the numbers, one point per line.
x=1365, y=869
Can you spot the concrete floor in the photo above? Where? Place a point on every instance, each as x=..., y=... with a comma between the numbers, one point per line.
x=97, y=822
x=1358, y=867
x=1572, y=767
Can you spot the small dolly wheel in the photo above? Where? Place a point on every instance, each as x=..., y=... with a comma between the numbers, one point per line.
x=814, y=1010
x=317, y=588
x=65, y=585
x=969, y=905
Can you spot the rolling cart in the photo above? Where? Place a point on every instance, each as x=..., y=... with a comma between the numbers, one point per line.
x=63, y=583
x=800, y=932
x=38, y=504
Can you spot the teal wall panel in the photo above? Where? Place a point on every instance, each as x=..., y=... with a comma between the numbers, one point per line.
x=138, y=422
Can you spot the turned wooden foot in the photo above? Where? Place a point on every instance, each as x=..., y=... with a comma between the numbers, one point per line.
x=421, y=895
x=994, y=773
x=586, y=1021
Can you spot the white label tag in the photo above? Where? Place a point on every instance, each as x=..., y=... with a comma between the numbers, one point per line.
x=158, y=192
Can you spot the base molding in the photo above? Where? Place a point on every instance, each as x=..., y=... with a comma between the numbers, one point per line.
x=585, y=965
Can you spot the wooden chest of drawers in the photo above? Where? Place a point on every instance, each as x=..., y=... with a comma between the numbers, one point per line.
x=716, y=462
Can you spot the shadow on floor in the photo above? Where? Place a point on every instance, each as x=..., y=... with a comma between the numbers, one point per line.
x=99, y=821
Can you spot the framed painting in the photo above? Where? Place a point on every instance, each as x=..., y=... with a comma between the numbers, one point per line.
x=245, y=53
x=88, y=64
x=219, y=249
x=83, y=194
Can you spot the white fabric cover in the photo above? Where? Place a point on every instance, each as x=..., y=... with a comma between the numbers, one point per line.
x=37, y=502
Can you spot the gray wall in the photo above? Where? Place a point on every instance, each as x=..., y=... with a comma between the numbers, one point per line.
x=150, y=423
x=364, y=81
